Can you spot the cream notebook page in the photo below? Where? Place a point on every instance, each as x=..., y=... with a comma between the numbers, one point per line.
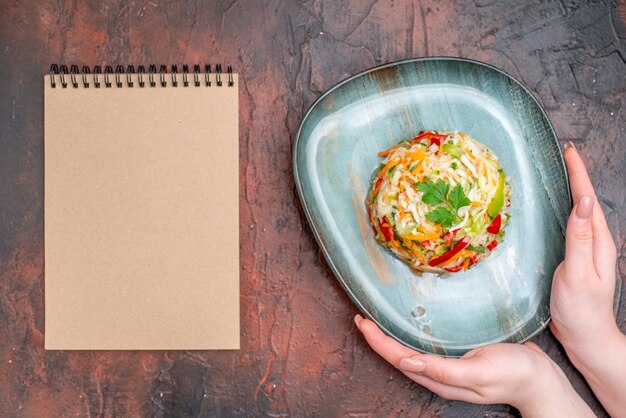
x=141, y=216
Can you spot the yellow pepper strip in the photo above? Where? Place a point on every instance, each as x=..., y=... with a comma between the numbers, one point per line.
x=429, y=228
x=422, y=236
x=387, y=151
x=405, y=253
x=418, y=155
x=474, y=204
x=466, y=264
x=415, y=251
x=402, y=251
x=388, y=167
x=404, y=215
x=418, y=168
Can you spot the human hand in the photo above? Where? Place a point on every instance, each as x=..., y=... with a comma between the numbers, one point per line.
x=520, y=375
x=584, y=283
x=583, y=291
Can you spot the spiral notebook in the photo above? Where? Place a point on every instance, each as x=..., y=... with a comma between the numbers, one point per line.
x=141, y=208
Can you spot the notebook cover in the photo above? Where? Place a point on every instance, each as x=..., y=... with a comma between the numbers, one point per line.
x=141, y=217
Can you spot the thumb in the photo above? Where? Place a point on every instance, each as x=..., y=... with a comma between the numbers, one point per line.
x=533, y=346
x=555, y=330
x=446, y=371
x=579, y=237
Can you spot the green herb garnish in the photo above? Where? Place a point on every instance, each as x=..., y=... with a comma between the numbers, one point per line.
x=434, y=193
x=447, y=201
x=476, y=248
x=442, y=216
x=457, y=198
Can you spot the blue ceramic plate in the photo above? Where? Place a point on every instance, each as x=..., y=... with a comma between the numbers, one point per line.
x=506, y=297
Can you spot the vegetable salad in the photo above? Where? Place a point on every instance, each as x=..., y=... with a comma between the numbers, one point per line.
x=439, y=202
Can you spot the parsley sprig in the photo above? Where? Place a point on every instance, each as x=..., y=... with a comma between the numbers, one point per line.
x=447, y=202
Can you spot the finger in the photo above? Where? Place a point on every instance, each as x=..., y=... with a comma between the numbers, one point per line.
x=445, y=391
x=579, y=180
x=446, y=377
x=534, y=346
x=447, y=371
x=579, y=260
x=555, y=331
x=461, y=372
x=604, y=247
x=385, y=346
x=394, y=353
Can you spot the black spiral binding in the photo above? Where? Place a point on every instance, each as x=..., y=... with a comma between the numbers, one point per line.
x=207, y=75
x=62, y=72
x=96, y=70
x=119, y=70
x=101, y=79
x=185, y=74
x=130, y=70
x=140, y=71
x=73, y=72
x=86, y=72
x=151, y=71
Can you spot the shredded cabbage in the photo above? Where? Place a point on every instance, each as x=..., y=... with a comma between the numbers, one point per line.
x=429, y=199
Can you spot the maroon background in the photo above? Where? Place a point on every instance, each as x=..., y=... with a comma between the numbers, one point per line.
x=300, y=354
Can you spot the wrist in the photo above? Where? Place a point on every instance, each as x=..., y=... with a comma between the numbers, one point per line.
x=532, y=390
x=603, y=367
x=589, y=354
x=549, y=393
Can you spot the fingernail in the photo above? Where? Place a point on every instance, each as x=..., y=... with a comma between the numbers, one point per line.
x=585, y=208
x=412, y=365
x=569, y=144
x=357, y=320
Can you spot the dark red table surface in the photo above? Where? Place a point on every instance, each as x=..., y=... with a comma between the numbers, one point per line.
x=300, y=353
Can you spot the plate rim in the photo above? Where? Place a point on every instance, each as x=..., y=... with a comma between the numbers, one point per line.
x=315, y=231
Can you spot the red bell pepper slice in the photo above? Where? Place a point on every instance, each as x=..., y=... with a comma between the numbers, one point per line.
x=449, y=237
x=474, y=259
x=451, y=253
x=494, y=227
x=454, y=269
x=386, y=230
x=493, y=245
x=434, y=138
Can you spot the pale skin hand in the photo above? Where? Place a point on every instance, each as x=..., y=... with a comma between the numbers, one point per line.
x=520, y=375
x=583, y=291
